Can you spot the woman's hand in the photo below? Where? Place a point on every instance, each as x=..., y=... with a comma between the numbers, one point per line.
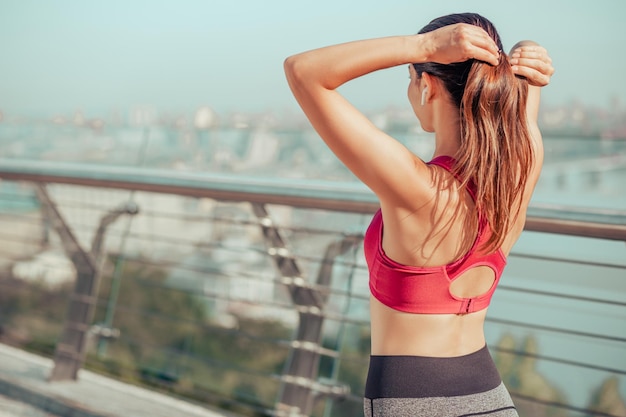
x=530, y=60
x=458, y=43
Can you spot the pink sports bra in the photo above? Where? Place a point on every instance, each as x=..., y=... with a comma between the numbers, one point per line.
x=426, y=290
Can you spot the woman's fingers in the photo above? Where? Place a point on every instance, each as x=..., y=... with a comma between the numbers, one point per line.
x=536, y=52
x=478, y=44
x=532, y=62
x=534, y=77
x=460, y=42
x=485, y=52
x=537, y=64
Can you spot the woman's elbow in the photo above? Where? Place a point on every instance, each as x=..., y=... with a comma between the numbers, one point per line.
x=293, y=69
x=300, y=80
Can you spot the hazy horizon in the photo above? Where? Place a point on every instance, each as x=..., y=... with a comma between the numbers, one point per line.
x=62, y=56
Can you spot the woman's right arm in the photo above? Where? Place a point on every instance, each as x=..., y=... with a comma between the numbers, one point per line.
x=531, y=61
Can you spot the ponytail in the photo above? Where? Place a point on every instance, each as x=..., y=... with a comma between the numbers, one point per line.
x=496, y=152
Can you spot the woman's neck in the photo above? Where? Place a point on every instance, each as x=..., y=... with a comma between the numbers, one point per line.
x=447, y=130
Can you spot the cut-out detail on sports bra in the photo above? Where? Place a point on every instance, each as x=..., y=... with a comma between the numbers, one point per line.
x=426, y=290
x=474, y=282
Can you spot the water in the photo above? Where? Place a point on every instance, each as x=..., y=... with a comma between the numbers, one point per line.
x=579, y=172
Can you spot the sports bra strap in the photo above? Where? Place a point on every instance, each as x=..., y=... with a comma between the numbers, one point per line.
x=447, y=162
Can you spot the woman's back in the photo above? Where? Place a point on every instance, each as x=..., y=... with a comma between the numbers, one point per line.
x=440, y=233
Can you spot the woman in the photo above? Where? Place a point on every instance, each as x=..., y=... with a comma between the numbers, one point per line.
x=437, y=247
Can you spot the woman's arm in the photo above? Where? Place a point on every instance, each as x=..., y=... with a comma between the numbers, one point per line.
x=530, y=60
x=381, y=162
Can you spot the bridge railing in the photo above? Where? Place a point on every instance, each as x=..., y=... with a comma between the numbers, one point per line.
x=251, y=293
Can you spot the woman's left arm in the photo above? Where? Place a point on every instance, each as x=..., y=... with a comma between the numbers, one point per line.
x=378, y=160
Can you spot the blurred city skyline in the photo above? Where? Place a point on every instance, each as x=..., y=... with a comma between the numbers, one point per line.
x=62, y=56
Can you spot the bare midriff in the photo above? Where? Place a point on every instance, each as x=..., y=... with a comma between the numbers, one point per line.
x=436, y=335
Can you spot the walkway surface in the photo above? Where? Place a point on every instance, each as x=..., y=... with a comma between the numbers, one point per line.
x=25, y=392
x=13, y=408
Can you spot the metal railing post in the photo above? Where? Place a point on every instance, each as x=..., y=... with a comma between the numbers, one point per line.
x=70, y=349
x=69, y=353
x=299, y=385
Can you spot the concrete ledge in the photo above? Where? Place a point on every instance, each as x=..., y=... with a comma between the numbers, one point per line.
x=23, y=377
x=44, y=403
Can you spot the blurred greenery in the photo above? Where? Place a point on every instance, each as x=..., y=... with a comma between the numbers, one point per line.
x=31, y=314
x=169, y=342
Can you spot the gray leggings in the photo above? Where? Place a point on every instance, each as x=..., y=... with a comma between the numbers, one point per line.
x=415, y=386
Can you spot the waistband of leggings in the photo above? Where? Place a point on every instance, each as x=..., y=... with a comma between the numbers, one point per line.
x=403, y=376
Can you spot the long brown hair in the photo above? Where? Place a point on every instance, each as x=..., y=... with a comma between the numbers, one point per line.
x=496, y=152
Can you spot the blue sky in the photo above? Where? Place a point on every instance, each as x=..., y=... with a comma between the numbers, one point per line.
x=58, y=56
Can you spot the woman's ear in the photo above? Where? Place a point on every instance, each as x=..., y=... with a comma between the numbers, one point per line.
x=428, y=88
